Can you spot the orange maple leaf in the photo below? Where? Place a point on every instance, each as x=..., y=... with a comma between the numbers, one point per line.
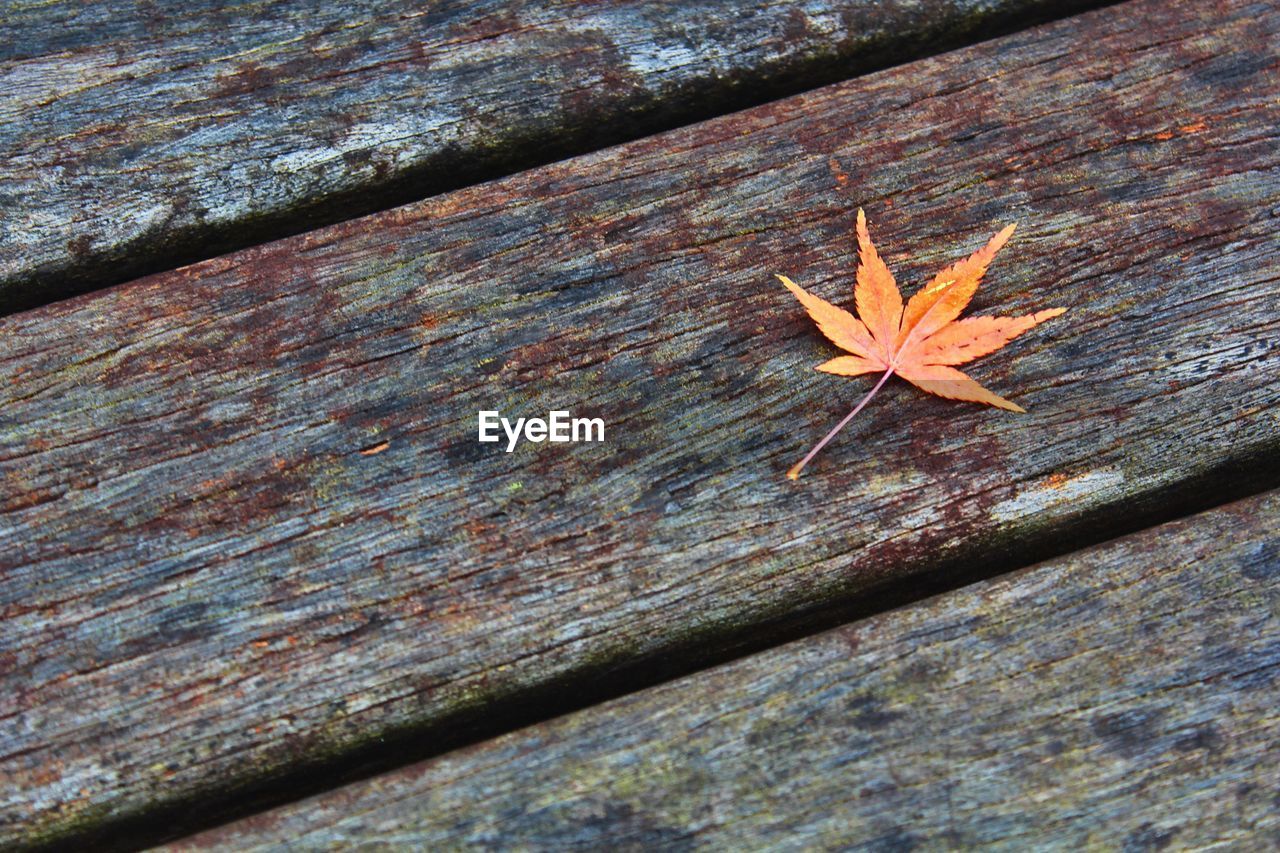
x=921, y=341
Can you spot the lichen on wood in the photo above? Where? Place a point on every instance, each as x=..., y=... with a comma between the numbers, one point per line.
x=1122, y=697
x=138, y=135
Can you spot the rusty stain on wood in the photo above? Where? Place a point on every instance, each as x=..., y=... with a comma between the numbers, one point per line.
x=1129, y=692
x=204, y=587
x=141, y=135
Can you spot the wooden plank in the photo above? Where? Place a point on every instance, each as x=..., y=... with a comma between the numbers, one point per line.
x=139, y=135
x=1124, y=697
x=248, y=530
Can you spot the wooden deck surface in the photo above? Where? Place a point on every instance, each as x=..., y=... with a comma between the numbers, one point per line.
x=138, y=135
x=249, y=540
x=1121, y=698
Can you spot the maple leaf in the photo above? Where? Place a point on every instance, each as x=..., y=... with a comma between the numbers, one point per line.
x=921, y=341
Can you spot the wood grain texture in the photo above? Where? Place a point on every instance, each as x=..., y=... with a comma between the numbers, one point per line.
x=139, y=135
x=1124, y=697
x=209, y=577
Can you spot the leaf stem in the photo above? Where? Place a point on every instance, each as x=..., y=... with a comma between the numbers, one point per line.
x=794, y=471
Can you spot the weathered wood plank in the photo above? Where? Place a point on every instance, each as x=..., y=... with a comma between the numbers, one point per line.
x=139, y=135
x=1124, y=697
x=212, y=574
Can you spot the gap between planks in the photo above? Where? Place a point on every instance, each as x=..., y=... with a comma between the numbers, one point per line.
x=219, y=826
x=202, y=144
x=1115, y=697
